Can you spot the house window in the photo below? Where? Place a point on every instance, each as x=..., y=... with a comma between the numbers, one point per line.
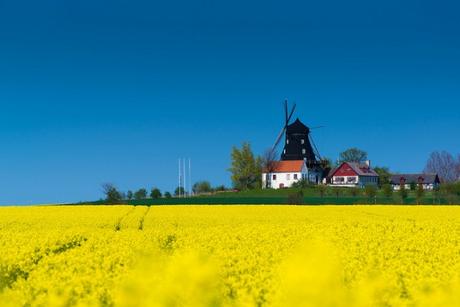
x=284, y=151
x=339, y=179
x=351, y=179
x=296, y=177
x=288, y=176
x=303, y=151
x=302, y=141
x=287, y=142
x=274, y=177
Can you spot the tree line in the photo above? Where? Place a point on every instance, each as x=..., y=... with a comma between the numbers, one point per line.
x=113, y=195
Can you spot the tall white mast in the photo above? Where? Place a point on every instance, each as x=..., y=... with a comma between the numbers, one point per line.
x=185, y=179
x=180, y=178
x=190, y=175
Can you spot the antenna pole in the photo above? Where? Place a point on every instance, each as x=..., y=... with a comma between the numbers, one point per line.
x=180, y=179
x=190, y=175
x=185, y=180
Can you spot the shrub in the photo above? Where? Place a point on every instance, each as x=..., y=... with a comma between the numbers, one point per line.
x=371, y=192
x=387, y=190
x=295, y=198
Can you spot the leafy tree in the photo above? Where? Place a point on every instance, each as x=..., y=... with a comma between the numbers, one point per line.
x=168, y=195
x=419, y=193
x=337, y=192
x=295, y=198
x=450, y=191
x=179, y=191
x=384, y=175
x=353, y=155
x=413, y=186
x=371, y=192
x=202, y=187
x=301, y=184
x=140, y=194
x=387, y=190
x=129, y=195
x=403, y=193
x=112, y=195
x=327, y=163
x=321, y=190
x=220, y=188
x=155, y=193
x=245, y=168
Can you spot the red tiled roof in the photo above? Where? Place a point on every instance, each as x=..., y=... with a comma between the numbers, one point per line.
x=288, y=166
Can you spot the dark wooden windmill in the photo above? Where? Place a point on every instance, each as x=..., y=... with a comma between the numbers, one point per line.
x=298, y=143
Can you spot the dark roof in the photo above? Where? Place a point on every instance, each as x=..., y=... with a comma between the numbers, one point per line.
x=362, y=169
x=414, y=178
x=358, y=168
x=297, y=127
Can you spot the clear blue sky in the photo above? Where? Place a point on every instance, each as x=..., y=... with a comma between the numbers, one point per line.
x=116, y=91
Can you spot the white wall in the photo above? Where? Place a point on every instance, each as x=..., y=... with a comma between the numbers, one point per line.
x=287, y=179
x=358, y=181
x=397, y=187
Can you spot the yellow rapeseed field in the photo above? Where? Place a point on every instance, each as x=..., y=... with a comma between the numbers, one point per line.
x=230, y=256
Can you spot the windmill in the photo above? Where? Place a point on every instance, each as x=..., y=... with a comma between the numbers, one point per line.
x=299, y=144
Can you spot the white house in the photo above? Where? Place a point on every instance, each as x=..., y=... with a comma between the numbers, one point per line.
x=351, y=174
x=284, y=174
x=428, y=181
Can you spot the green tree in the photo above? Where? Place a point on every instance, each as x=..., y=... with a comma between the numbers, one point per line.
x=371, y=192
x=420, y=193
x=112, y=195
x=179, y=191
x=129, y=195
x=140, y=194
x=301, y=184
x=155, y=193
x=353, y=155
x=387, y=190
x=321, y=190
x=201, y=187
x=384, y=175
x=168, y=195
x=403, y=193
x=246, y=169
x=413, y=186
x=220, y=188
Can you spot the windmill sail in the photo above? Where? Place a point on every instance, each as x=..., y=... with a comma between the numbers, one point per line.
x=288, y=118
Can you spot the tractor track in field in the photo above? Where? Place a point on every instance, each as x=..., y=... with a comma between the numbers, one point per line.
x=142, y=219
x=120, y=219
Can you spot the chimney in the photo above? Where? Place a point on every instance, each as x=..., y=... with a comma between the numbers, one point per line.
x=368, y=163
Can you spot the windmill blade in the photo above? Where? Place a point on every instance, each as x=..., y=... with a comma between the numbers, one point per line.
x=278, y=139
x=288, y=118
x=290, y=115
x=314, y=147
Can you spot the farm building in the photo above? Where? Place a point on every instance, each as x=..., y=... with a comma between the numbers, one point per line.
x=352, y=174
x=284, y=174
x=428, y=181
